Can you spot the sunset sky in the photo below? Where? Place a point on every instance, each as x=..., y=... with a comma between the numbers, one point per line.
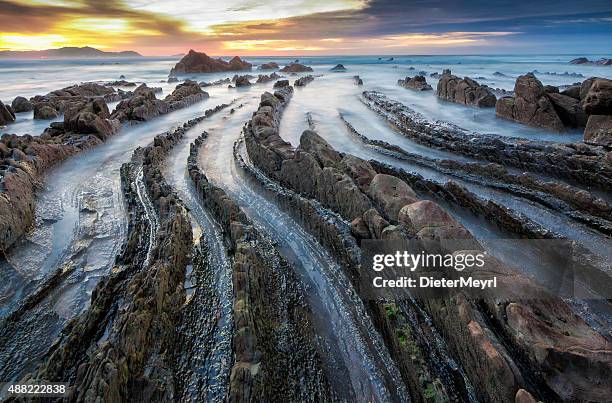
x=315, y=27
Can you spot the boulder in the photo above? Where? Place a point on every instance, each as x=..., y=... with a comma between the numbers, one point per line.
x=281, y=84
x=598, y=130
x=296, y=68
x=268, y=66
x=45, y=111
x=242, y=81
x=375, y=223
x=586, y=86
x=579, y=60
x=464, y=91
x=358, y=169
x=598, y=99
x=573, y=91
x=338, y=68
x=358, y=80
x=198, y=62
x=90, y=118
x=338, y=191
x=390, y=194
x=569, y=110
x=551, y=89
x=531, y=105
x=21, y=104
x=6, y=115
x=302, y=81
x=418, y=83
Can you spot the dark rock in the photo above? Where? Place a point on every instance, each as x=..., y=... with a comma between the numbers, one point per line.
x=551, y=89
x=197, y=62
x=598, y=100
x=601, y=62
x=172, y=80
x=296, y=68
x=242, y=81
x=262, y=78
x=464, y=91
x=418, y=83
x=586, y=86
x=572, y=91
x=303, y=81
x=44, y=111
x=6, y=115
x=338, y=67
x=358, y=80
x=569, y=110
x=598, y=130
x=530, y=105
x=281, y=84
x=579, y=60
x=498, y=74
x=268, y=66
x=90, y=118
x=21, y=104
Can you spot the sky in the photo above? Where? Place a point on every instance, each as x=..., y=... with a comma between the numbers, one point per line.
x=310, y=27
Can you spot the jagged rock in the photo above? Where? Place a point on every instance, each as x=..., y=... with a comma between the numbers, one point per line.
x=530, y=105
x=21, y=104
x=281, y=84
x=601, y=62
x=198, y=62
x=551, y=89
x=303, y=81
x=269, y=66
x=572, y=91
x=142, y=106
x=6, y=115
x=375, y=223
x=338, y=68
x=92, y=117
x=296, y=68
x=262, y=78
x=358, y=169
x=390, y=194
x=172, y=80
x=418, y=83
x=358, y=80
x=569, y=110
x=464, y=91
x=598, y=99
x=316, y=145
x=44, y=112
x=598, y=130
x=359, y=229
x=242, y=81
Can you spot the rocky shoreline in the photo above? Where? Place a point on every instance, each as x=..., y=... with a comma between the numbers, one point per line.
x=266, y=294
x=373, y=202
x=578, y=163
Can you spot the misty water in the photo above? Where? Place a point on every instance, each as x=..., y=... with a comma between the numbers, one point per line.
x=81, y=219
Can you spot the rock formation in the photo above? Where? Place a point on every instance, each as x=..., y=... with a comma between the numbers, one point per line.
x=198, y=62
x=6, y=114
x=531, y=105
x=296, y=68
x=464, y=91
x=303, y=81
x=269, y=66
x=601, y=62
x=242, y=81
x=21, y=104
x=262, y=78
x=338, y=68
x=418, y=83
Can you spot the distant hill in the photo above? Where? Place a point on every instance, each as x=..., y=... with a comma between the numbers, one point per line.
x=65, y=53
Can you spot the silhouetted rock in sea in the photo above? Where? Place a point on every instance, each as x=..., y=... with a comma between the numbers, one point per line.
x=242, y=81
x=21, y=104
x=464, y=91
x=198, y=62
x=296, y=68
x=6, y=114
x=601, y=62
x=262, y=78
x=303, y=81
x=358, y=80
x=530, y=105
x=338, y=67
x=418, y=83
x=269, y=66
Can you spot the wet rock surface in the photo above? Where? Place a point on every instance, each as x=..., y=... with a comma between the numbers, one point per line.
x=296, y=68
x=576, y=162
x=464, y=91
x=482, y=334
x=418, y=83
x=270, y=357
x=303, y=81
x=269, y=66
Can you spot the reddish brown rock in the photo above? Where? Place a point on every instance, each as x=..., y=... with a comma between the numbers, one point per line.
x=418, y=83
x=296, y=68
x=464, y=91
x=390, y=194
x=6, y=115
x=598, y=130
x=198, y=62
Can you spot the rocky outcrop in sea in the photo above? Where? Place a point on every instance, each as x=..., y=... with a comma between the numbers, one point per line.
x=464, y=91
x=199, y=62
x=418, y=83
x=296, y=68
